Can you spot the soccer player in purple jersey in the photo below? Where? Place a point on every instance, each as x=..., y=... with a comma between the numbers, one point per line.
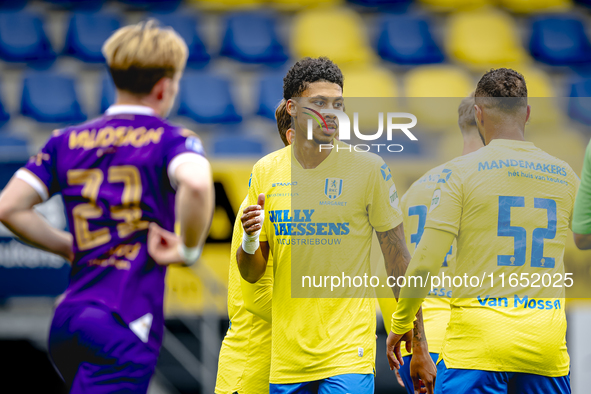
x=121, y=177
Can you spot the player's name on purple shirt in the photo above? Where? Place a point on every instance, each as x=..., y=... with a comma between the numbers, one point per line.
x=119, y=136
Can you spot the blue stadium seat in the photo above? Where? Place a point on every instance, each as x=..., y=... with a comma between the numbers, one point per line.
x=384, y=5
x=12, y=4
x=78, y=4
x=186, y=26
x=207, y=98
x=237, y=145
x=251, y=37
x=406, y=39
x=4, y=116
x=87, y=33
x=13, y=148
x=270, y=94
x=50, y=98
x=107, y=92
x=157, y=5
x=23, y=39
x=559, y=41
x=579, y=103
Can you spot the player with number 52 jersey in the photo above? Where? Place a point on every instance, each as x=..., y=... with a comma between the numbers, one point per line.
x=509, y=205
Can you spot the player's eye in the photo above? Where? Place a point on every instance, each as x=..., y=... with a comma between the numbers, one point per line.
x=338, y=104
x=319, y=103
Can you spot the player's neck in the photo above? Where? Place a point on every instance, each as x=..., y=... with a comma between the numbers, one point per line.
x=308, y=152
x=503, y=131
x=471, y=143
x=124, y=98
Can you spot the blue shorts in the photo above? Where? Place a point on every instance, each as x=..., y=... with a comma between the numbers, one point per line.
x=404, y=371
x=453, y=381
x=339, y=384
x=95, y=352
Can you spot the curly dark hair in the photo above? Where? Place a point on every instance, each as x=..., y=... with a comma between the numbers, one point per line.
x=307, y=71
x=502, y=88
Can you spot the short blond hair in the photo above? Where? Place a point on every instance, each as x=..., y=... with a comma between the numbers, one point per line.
x=140, y=55
x=283, y=121
x=466, y=118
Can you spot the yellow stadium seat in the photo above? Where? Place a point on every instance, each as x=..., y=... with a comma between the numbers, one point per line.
x=435, y=93
x=369, y=90
x=337, y=33
x=542, y=99
x=532, y=6
x=291, y=5
x=449, y=5
x=225, y=5
x=485, y=38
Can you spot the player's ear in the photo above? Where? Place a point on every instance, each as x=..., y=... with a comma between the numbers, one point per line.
x=478, y=114
x=528, y=113
x=160, y=88
x=289, y=136
x=291, y=107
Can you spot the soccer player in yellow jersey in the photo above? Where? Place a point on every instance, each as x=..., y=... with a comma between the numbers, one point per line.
x=415, y=204
x=322, y=345
x=245, y=356
x=509, y=205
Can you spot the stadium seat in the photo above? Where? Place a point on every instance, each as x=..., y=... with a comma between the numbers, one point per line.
x=483, y=39
x=369, y=90
x=292, y=5
x=237, y=145
x=4, y=115
x=87, y=33
x=369, y=81
x=13, y=148
x=407, y=39
x=450, y=5
x=50, y=98
x=531, y=6
x=251, y=37
x=313, y=35
x=156, y=5
x=79, y=4
x=436, y=92
x=384, y=5
x=23, y=39
x=559, y=41
x=270, y=93
x=207, y=98
x=187, y=25
x=579, y=103
x=12, y=4
x=586, y=3
x=542, y=99
x=226, y=5
x=107, y=93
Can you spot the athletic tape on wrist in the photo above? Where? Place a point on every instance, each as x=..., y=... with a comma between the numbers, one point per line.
x=250, y=243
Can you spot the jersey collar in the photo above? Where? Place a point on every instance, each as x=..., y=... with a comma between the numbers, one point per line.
x=130, y=109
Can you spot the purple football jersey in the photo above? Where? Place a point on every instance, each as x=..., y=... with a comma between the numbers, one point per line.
x=113, y=175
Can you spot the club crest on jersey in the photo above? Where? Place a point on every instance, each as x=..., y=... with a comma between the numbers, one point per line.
x=436, y=200
x=333, y=187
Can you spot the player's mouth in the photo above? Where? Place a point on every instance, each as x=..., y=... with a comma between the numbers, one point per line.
x=332, y=128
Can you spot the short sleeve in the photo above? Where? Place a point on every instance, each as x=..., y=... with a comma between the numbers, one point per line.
x=254, y=189
x=382, y=199
x=581, y=221
x=445, y=210
x=40, y=171
x=182, y=146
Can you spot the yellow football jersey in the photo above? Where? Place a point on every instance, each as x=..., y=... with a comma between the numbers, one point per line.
x=436, y=307
x=320, y=221
x=245, y=356
x=510, y=205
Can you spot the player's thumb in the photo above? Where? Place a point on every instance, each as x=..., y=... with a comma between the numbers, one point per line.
x=261, y=200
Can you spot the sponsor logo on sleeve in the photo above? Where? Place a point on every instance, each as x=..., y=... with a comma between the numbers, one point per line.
x=436, y=200
x=194, y=144
x=393, y=197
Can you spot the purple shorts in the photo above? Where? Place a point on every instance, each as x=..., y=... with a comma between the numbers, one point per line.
x=96, y=352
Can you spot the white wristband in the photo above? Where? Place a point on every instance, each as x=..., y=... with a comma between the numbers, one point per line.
x=190, y=255
x=250, y=243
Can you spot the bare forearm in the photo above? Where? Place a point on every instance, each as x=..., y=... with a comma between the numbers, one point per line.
x=583, y=241
x=195, y=209
x=419, y=339
x=396, y=255
x=34, y=229
x=251, y=266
